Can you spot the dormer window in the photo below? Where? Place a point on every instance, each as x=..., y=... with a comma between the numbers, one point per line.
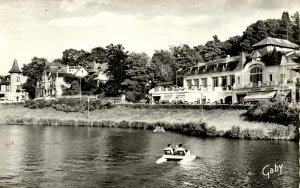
x=224, y=67
x=215, y=68
x=59, y=68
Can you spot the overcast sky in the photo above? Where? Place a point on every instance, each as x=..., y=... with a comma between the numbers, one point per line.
x=45, y=28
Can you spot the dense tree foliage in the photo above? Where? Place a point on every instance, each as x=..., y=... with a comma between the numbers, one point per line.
x=75, y=57
x=99, y=55
x=34, y=72
x=163, y=66
x=283, y=28
x=137, y=76
x=116, y=57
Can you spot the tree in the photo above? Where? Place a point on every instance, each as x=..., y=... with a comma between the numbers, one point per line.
x=117, y=57
x=163, y=66
x=74, y=57
x=89, y=85
x=137, y=76
x=211, y=50
x=232, y=46
x=186, y=56
x=284, y=30
x=253, y=34
x=295, y=28
x=99, y=55
x=74, y=82
x=33, y=71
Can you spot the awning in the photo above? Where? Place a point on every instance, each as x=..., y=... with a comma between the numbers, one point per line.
x=297, y=69
x=257, y=96
x=165, y=98
x=179, y=98
x=282, y=94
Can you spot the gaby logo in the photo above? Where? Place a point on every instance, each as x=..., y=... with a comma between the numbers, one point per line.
x=269, y=170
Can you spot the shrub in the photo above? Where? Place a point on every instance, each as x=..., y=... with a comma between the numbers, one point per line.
x=277, y=112
x=211, y=131
x=234, y=132
x=184, y=106
x=253, y=134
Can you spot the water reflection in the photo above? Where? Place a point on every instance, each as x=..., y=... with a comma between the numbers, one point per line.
x=102, y=157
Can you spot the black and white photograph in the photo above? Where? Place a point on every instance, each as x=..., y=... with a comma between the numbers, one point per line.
x=149, y=93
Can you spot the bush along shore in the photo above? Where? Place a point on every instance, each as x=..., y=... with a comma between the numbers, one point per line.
x=76, y=105
x=189, y=128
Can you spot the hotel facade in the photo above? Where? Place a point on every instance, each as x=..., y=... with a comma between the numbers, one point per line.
x=270, y=72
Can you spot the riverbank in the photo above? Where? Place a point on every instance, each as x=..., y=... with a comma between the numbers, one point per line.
x=217, y=122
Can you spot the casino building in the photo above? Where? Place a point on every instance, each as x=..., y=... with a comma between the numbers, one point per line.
x=270, y=72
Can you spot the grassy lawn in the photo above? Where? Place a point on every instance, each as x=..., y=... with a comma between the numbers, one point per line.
x=222, y=120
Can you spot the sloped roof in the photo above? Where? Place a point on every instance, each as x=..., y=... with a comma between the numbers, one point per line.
x=15, y=68
x=276, y=42
x=255, y=54
x=241, y=62
x=222, y=61
x=55, y=69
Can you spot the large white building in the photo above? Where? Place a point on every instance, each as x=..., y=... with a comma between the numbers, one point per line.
x=11, y=85
x=270, y=72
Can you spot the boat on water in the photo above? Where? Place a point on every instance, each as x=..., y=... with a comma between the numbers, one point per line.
x=182, y=157
x=159, y=129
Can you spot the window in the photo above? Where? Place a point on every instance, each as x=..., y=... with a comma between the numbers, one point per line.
x=7, y=88
x=204, y=82
x=189, y=83
x=224, y=67
x=224, y=81
x=18, y=78
x=270, y=77
x=215, y=68
x=238, y=80
x=282, y=76
x=232, y=80
x=18, y=88
x=256, y=75
x=196, y=81
x=215, y=81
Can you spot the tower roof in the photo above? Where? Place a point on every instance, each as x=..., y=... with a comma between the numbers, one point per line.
x=255, y=54
x=15, y=68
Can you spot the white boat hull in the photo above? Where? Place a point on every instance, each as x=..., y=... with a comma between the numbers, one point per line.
x=182, y=159
x=162, y=130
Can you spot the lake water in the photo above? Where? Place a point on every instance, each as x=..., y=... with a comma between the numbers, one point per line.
x=43, y=156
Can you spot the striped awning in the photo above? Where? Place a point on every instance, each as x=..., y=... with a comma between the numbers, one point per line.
x=257, y=96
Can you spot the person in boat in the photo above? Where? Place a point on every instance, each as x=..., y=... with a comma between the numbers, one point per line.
x=175, y=149
x=180, y=149
x=168, y=150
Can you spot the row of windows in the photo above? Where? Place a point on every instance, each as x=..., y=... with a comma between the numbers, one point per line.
x=256, y=76
x=215, y=80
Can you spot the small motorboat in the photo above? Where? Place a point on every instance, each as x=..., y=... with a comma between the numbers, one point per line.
x=180, y=156
x=159, y=129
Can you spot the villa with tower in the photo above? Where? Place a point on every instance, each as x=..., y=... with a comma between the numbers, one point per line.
x=11, y=85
